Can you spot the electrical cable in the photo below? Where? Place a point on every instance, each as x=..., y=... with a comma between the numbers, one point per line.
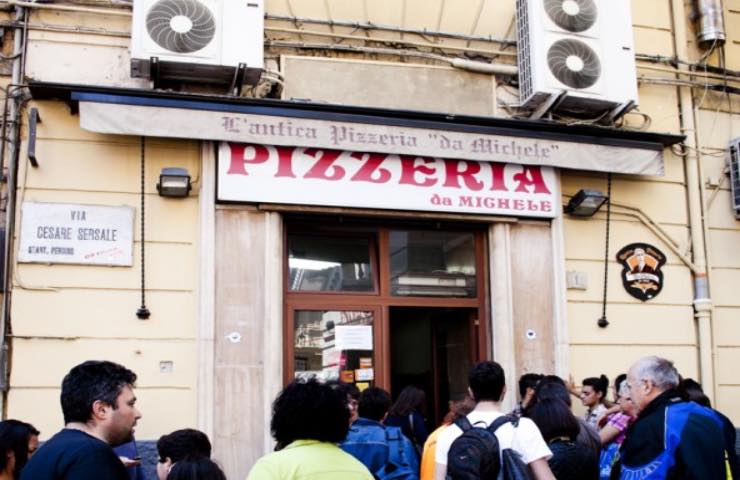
x=603, y=322
x=143, y=313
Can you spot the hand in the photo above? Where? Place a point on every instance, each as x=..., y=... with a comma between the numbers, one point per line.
x=130, y=462
x=571, y=386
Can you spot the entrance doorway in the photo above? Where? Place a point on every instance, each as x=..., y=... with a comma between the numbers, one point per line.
x=433, y=349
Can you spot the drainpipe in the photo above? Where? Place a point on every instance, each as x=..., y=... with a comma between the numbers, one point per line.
x=702, y=301
x=13, y=119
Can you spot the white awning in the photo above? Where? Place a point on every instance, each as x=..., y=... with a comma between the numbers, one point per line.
x=283, y=127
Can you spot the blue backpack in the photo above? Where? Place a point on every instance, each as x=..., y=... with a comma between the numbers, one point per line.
x=385, y=451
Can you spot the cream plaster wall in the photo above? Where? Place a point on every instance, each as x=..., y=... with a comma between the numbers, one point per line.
x=63, y=315
x=94, y=306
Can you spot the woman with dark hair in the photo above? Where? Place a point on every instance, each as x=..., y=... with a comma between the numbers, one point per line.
x=559, y=428
x=554, y=388
x=405, y=413
x=179, y=445
x=18, y=441
x=593, y=397
x=309, y=419
x=196, y=468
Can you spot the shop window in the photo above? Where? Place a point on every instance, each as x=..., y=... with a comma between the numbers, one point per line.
x=429, y=263
x=320, y=263
x=334, y=345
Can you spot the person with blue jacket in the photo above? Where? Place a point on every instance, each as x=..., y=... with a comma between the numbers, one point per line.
x=671, y=438
x=384, y=450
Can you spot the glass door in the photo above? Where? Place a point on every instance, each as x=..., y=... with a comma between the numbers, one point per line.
x=335, y=345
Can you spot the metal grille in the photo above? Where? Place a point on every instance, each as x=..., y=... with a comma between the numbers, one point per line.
x=735, y=175
x=523, y=54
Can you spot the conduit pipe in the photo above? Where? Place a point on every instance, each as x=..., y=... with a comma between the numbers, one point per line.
x=13, y=120
x=478, y=67
x=702, y=301
x=711, y=24
x=70, y=8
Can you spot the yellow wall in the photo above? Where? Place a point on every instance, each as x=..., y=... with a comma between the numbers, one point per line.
x=63, y=315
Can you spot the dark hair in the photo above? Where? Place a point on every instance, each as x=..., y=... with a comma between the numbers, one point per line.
x=459, y=409
x=690, y=390
x=600, y=384
x=183, y=443
x=554, y=419
x=487, y=381
x=618, y=383
x=528, y=380
x=549, y=388
x=309, y=410
x=14, y=437
x=411, y=398
x=89, y=382
x=196, y=468
x=374, y=403
x=349, y=389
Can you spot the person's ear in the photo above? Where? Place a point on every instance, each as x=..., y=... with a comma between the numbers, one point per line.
x=470, y=393
x=100, y=409
x=503, y=394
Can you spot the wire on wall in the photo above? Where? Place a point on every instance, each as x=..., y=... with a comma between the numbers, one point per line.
x=603, y=322
x=143, y=313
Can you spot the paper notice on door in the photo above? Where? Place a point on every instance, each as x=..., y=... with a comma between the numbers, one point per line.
x=364, y=374
x=353, y=337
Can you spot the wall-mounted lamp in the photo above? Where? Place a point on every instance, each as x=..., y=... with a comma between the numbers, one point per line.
x=174, y=182
x=585, y=203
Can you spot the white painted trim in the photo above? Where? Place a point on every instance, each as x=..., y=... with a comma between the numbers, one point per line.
x=560, y=292
x=502, y=312
x=206, y=306
x=273, y=367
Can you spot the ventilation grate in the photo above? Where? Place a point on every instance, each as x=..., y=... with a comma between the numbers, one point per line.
x=572, y=15
x=181, y=26
x=735, y=175
x=524, y=59
x=574, y=63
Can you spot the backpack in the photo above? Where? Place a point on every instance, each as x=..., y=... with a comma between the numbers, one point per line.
x=385, y=451
x=400, y=465
x=476, y=455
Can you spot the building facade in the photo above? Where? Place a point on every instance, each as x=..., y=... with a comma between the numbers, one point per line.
x=370, y=211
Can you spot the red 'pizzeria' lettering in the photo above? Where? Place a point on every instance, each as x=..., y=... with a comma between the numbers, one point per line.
x=409, y=169
x=371, y=165
x=530, y=176
x=334, y=165
x=320, y=169
x=239, y=157
x=453, y=173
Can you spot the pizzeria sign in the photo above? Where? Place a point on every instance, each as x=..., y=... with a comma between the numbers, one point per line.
x=318, y=176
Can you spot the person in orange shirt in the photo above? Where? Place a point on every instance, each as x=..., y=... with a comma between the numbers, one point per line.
x=458, y=409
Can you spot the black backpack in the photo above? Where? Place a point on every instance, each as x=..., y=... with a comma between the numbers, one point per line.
x=475, y=453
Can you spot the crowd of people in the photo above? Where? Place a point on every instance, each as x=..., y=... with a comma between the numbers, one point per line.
x=656, y=426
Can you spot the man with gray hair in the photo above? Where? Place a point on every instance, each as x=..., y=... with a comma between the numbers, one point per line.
x=671, y=439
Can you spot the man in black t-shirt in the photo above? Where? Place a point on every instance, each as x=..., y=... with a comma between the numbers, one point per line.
x=98, y=403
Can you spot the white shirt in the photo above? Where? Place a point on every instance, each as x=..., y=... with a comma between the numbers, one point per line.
x=592, y=415
x=525, y=439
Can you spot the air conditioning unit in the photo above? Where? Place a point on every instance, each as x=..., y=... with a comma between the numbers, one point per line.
x=735, y=176
x=580, y=49
x=204, y=41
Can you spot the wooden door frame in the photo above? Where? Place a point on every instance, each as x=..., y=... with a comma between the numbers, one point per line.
x=380, y=301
